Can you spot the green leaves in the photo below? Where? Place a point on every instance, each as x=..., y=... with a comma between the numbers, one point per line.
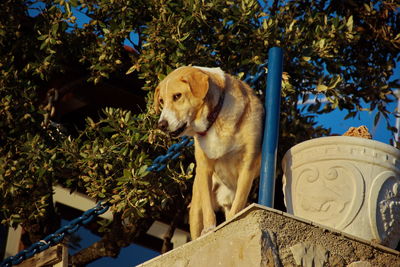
x=111, y=158
x=350, y=23
x=333, y=83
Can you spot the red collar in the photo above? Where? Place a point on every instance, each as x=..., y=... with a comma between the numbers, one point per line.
x=213, y=115
x=202, y=133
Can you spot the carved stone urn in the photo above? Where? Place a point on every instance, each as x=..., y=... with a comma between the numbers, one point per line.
x=348, y=183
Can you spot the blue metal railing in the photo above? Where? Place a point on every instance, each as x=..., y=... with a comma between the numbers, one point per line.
x=271, y=127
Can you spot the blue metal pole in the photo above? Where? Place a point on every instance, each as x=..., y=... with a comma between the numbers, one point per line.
x=271, y=127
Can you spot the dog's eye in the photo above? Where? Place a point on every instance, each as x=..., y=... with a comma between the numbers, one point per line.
x=161, y=101
x=177, y=96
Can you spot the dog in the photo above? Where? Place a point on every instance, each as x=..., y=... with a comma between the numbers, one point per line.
x=225, y=117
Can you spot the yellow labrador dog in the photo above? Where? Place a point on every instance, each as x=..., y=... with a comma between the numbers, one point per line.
x=225, y=118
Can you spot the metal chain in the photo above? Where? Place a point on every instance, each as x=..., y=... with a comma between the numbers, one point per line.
x=173, y=152
x=58, y=236
x=159, y=164
x=253, y=79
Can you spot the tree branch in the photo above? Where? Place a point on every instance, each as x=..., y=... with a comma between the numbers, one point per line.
x=167, y=244
x=274, y=7
x=36, y=229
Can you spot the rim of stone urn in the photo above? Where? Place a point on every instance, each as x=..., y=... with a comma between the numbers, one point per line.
x=391, y=154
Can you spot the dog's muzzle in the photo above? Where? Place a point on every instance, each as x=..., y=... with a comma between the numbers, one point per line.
x=163, y=126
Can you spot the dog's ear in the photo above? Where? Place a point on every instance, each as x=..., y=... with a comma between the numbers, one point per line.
x=198, y=82
x=156, y=104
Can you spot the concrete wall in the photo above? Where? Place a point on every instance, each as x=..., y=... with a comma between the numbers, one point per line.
x=259, y=236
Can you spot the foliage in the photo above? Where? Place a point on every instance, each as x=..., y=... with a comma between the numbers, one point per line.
x=344, y=50
x=110, y=160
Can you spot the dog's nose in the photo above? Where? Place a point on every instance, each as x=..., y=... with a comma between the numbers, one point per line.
x=163, y=125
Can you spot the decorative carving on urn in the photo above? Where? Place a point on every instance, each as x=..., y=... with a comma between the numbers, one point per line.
x=384, y=206
x=329, y=193
x=347, y=183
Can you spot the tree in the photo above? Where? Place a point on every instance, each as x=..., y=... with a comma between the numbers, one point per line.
x=345, y=50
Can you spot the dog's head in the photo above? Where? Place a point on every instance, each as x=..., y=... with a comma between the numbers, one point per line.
x=181, y=95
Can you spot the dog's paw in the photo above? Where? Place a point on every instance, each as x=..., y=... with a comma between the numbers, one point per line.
x=208, y=229
x=231, y=214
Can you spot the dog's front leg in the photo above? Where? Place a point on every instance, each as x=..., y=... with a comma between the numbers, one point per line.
x=203, y=181
x=248, y=171
x=195, y=212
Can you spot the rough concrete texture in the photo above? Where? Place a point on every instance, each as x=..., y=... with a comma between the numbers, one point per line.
x=259, y=236
x=309, y=255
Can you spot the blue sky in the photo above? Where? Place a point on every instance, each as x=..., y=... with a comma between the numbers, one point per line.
x=336, y=121
x=134, y=254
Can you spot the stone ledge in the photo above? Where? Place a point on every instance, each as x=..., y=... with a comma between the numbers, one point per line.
x=261, y=236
